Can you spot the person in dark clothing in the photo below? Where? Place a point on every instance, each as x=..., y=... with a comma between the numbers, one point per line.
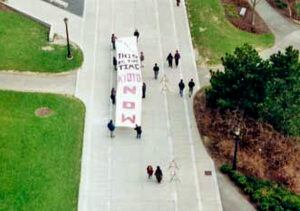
x=177, y=57
x=149, y=171
x=144, y=90
x=136, y=34
x=113, y=96
x=155, y=69
x=177, y=3
x=138, y=130
x=111, y=128
x=158, y=174
x=181, y=87
x=191, y=87
x=142, y=58
x=113, y=41
x=115, y=62
x=170, y=60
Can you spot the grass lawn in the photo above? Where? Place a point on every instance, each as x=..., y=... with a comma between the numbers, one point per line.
x=214, y=36
x=40, y=157
x=21, y=42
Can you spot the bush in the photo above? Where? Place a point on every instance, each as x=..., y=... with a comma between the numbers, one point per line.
x=280, y=4
x=266, y=194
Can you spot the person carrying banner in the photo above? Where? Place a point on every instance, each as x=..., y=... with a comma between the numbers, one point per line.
x=136, y=34
x=181, y=87
x=111, y=128
x=113, y=96
x=113, y=41
x=138, y=130
x=142, y=58
x=115, y=62
x=156, y=70
x=144, y=90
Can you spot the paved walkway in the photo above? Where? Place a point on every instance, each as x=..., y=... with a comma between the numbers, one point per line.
x=113, y=173
x=286, y=32
x=64, y=83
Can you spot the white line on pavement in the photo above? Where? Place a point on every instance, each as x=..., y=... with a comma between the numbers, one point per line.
x=191, y=142
x=170, y=141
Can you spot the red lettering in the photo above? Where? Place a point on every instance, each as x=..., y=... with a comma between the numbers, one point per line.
x=128, y=105
x=127, y=89
x=131, y=119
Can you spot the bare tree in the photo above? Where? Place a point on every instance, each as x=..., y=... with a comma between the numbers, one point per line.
x=253, y=3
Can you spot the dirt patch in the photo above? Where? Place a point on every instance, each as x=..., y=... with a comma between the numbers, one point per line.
x=47, y=48
x=43, y=112
x=263, y=152
x=287, y=8
x=4, y=7
x=232, y=9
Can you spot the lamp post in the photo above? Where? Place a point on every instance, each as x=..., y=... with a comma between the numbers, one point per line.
x=68, y=42
x=237, y=134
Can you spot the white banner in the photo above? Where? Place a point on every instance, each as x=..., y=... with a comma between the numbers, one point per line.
x=129, y=83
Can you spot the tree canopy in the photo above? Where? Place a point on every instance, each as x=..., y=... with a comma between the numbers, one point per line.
x=267, y=90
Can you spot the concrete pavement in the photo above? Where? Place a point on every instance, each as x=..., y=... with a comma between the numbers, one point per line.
x=113, y=174
x=64, y=83
x=113, y=171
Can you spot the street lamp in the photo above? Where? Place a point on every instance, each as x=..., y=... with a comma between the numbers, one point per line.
x=68, y=42
x=237, y=134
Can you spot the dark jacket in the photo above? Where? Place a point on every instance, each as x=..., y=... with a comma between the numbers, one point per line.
x=111, y=126
x=177, y=56
x=191, y=84
x=181, y=85
x=170, y=57
x=138, y=129
x=155, y=68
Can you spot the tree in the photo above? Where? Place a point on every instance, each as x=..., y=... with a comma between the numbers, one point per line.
x=253, y=3
x=281, y=108
x=241, y=85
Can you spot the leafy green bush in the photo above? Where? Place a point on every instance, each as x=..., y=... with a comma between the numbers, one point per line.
x=280, y=4
x=266, y=194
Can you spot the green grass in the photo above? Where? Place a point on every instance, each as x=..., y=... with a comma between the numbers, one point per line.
x=214, y=36
x=21, y=42
x=39, y=157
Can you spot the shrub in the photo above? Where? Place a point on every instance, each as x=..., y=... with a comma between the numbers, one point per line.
x=266, y=194
x=280, y=4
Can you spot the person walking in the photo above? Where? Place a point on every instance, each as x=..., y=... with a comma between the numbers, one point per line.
x=111, y=127
x=144, y=90
x=142, y=58
x=158, y=174
x=170, y=60
x=113, y=41
x=149, y=171
x=138, y=130
x=181, y=87
x=115, y=62
x=191, y=87
x=155, y=69
x=177, y=3
x=113, y=96
x=136, y=34
x=177, y=57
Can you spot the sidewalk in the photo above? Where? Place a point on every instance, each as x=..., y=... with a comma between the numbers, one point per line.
x=113, y=173
x=286, y=32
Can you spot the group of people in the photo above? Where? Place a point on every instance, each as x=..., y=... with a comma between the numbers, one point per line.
x=191, y=86
x=158, y=173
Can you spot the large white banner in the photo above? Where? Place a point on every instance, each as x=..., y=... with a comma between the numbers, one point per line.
x=129, y=83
